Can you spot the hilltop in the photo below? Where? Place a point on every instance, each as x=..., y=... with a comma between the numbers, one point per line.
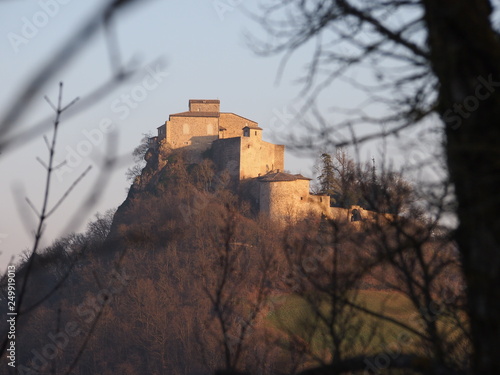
x=191, y=274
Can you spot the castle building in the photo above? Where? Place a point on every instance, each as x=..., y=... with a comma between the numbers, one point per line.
x=286, y=196
x=197, y=128
x=235, y=144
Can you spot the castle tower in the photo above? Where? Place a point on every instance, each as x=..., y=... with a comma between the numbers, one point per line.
x=204, y=105
x=284, y=197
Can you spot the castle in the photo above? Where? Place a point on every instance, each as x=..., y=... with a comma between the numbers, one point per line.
x=256, y=166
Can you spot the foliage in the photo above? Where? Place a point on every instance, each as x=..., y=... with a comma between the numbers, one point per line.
x=427, y=73
x=200, y=284
x=139, y=155
x=348, y=183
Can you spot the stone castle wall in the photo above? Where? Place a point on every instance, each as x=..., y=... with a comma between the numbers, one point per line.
x=289, y=200
x=194, y=133
x=340, y=214
x=204, y=105
x=345, y=214
x=259, y=157
x=226, y=156
x=233, y=125
x=251, y=156
x=236, y=145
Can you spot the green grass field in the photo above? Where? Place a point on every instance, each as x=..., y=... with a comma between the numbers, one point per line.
x=361, y=333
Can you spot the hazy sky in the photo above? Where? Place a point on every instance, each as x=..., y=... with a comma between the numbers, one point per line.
x=204, y=55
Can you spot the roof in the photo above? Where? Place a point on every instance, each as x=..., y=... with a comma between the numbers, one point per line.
x=195, y=114
x=282, y=176
x=234, y=114
x=212, y=101
x=252, y=127
x=252, y=124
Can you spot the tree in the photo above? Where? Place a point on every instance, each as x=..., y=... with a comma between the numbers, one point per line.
x=231, y=247
x=348, y=177
x=348, y=183
x=468, y=72
x=327, y=178
x=204, y=175
x=98, y=229
x=77, y=39
x=341, y=178
x=139, y=155
x=426, y=58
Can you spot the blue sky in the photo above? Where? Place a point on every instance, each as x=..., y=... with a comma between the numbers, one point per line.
x=203, y=55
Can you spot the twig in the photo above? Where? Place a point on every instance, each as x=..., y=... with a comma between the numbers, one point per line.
x=45, y=211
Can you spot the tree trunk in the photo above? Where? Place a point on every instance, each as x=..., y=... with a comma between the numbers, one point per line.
x=465, y=56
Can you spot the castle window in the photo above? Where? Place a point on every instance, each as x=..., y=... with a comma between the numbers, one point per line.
x=301, y=198
x=246, y=132
x=256, y=132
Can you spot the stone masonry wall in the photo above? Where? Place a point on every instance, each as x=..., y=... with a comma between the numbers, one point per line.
x=247, y=156
x=284, y=200
x=234, y=124
x=226, y=155
x=204, y=106
x=259, y=157
x=318, y=204
x=195, y=133
x=340, y=214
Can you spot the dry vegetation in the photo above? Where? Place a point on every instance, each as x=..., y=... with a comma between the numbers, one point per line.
x=186, y=279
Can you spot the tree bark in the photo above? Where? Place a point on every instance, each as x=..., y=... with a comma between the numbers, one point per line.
x=465, y=57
